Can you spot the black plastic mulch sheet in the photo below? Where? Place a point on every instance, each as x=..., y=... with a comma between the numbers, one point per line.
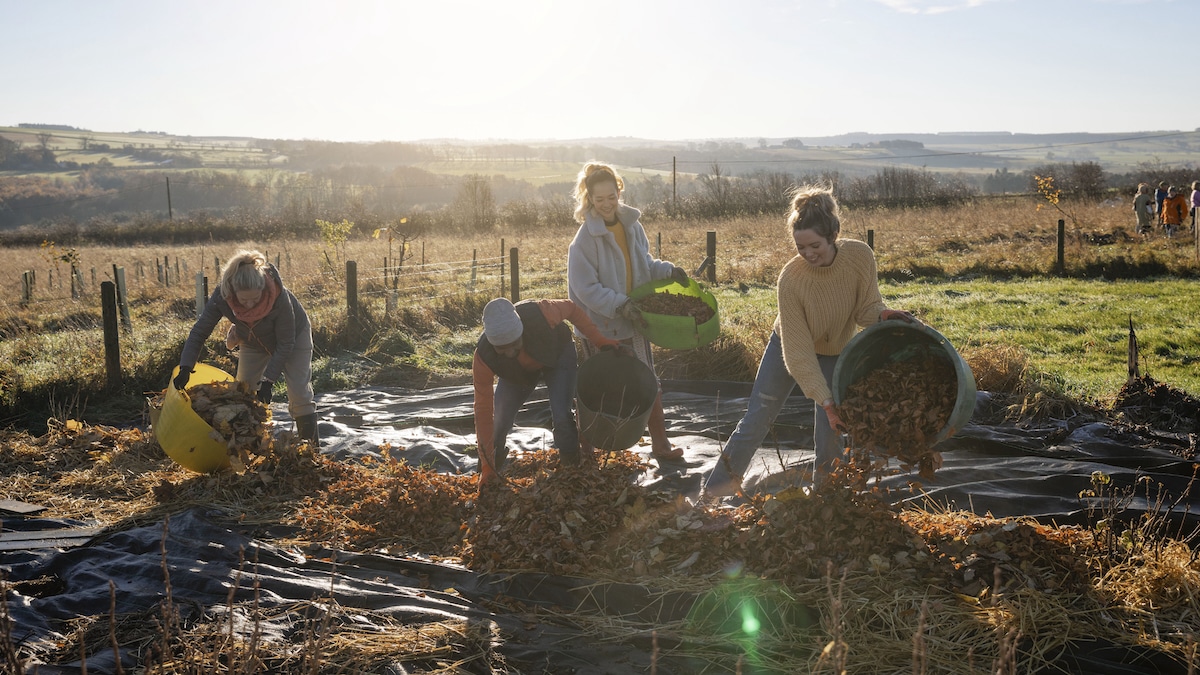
x=990, y=467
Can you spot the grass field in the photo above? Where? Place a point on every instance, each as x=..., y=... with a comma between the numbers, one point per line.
x=981, y=274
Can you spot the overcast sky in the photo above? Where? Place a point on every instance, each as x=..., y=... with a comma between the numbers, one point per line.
x=362, y=70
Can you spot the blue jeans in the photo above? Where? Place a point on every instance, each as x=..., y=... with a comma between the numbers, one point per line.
x=560, y=389
x=772, y=385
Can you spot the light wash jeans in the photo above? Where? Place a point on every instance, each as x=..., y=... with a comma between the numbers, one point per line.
x=297, y=372
x=772, y=385
x=560, y=389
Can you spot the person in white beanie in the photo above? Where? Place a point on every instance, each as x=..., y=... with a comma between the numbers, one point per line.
x=521, y=345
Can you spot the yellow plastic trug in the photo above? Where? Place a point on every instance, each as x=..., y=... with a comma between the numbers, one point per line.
x=185, y=437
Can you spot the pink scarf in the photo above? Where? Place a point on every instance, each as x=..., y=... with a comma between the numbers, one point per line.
x=255, y=314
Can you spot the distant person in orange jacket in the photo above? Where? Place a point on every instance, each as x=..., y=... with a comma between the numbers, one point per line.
x=521, y=345
x=1174, y=210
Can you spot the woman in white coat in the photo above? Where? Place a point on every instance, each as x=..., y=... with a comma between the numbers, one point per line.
x=609, y=257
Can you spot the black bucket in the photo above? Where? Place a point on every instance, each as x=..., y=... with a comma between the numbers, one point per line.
x=615, y=394
x=889, y=341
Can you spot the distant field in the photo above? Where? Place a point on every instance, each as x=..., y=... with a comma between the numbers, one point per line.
x=966, y=153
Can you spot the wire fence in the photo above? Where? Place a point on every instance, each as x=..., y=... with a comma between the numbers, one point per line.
x=75, y=292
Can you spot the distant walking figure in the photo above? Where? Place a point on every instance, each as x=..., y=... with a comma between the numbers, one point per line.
x=1195, y=202
x=1143, y=208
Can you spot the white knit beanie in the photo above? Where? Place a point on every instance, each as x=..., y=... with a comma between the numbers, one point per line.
x=501, y=324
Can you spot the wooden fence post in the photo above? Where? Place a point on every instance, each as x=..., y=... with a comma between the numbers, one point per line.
x=501, y=269
x=474, y=268
x=122, y=295
x=658, y=247
x=1062, y=258
x=871, y=239
x=712, y=256
x=515, y=271
x=201, y=300
x=112, y=344
x=352, y=290
x=26, y=288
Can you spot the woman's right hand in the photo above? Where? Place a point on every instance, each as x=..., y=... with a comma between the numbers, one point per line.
x=897, y=315
x=631, y=313
x=835, y=420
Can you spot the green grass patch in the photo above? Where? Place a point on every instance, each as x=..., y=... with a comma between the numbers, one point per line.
x=1076, y=330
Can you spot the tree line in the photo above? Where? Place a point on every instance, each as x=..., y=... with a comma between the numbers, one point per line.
x=111, y=205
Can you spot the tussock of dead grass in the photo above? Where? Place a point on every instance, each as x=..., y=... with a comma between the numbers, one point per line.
x=998, y=368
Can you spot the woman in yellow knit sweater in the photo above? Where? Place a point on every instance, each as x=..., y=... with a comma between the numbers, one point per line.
x=825, y=293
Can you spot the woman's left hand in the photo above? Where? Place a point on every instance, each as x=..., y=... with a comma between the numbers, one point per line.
x=897, y=315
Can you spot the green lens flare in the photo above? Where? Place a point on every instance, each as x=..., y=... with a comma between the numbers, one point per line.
x=750, y=622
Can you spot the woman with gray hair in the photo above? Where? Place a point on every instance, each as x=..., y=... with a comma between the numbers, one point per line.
x=271, y=329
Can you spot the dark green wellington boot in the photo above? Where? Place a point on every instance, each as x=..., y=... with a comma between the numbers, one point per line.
x=306, y=428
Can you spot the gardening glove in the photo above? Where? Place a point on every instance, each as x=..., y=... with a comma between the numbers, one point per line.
x=835, y=421
x=679, y=275
x=264, y=391
x=182, y=378
x=630, y=312
x=897, y=315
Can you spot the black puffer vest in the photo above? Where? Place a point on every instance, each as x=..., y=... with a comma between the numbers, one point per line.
x=541, y=342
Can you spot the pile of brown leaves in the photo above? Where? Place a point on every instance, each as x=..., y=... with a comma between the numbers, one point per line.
x=674, y=304
x=898, y=409
x=234, y=412
x=562, y=520
x=789, y=537
x=381, y=502
x=977, y=554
